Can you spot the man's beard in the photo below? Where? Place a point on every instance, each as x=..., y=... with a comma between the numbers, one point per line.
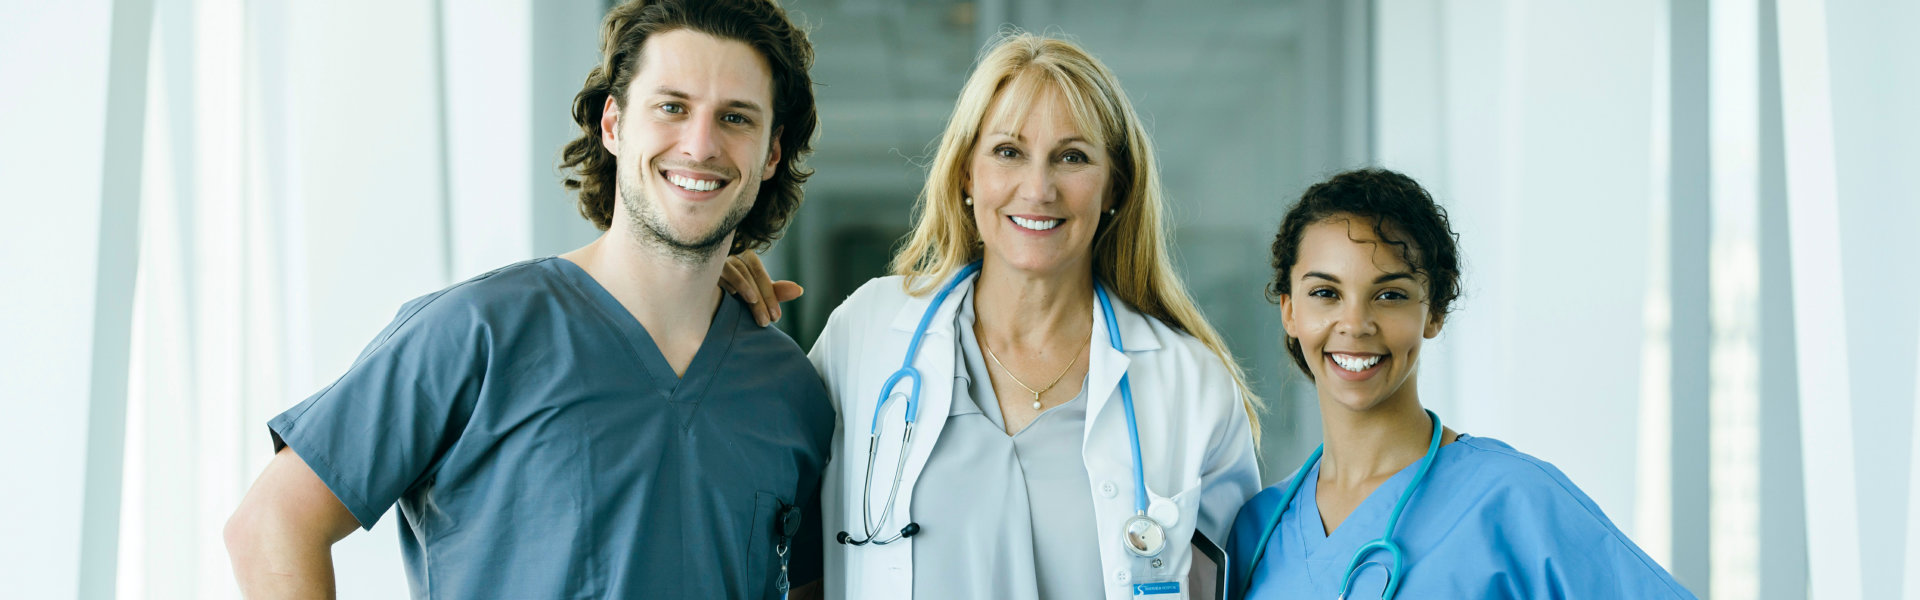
x=652, y=229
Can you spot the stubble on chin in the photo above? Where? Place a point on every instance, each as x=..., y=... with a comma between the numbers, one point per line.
x=651, y=230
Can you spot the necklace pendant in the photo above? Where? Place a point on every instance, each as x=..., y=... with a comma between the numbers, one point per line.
x=1036, y=402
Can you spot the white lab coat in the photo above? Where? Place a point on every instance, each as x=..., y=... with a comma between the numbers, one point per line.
x=1194, y=436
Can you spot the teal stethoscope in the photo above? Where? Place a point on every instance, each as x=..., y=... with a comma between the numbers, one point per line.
x=1385, y=542
x=1143, y=535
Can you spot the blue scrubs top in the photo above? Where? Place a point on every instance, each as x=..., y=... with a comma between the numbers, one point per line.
x=539, y=445
x=1490, y=522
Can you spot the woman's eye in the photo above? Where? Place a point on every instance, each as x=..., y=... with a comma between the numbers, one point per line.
x=1074, y=157
x=1323, y=293
x=1391, y=295
x=1006, y=152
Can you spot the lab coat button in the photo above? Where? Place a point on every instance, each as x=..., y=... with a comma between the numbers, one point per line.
x=1122, y=576
x=1108, y=489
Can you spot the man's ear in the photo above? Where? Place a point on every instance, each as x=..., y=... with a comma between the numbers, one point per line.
x=610, y=126
x=773, y=155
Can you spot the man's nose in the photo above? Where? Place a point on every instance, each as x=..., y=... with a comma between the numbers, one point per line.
x=700, y=140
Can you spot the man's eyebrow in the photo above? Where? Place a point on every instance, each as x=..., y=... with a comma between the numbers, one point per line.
x=738, y=104
x=746, y=105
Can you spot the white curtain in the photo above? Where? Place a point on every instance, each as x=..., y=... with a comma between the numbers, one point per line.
x=1531, y=120
x=293, y=201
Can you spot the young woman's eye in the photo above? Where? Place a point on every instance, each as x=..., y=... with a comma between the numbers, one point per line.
x=1392, y=295
x=1323, y=293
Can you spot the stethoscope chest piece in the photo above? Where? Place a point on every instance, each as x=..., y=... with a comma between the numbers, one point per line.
x=1144, y=536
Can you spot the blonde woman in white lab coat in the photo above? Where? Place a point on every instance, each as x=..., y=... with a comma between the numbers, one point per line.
x=1019, y=481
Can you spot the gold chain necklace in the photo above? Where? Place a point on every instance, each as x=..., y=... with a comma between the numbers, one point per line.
x=1022, y=384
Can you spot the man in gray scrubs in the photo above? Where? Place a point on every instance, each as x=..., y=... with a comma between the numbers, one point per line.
x=604, y=423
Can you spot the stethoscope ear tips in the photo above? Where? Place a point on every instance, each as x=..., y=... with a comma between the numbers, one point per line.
x=909, y=530
x=843, y=538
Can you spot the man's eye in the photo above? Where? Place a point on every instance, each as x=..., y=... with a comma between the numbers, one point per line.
x=672, y=108
x=736, y=118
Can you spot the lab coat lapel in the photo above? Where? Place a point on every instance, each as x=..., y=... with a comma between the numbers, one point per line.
x=934, y=361
x=1108, y=364
x=1103, y=371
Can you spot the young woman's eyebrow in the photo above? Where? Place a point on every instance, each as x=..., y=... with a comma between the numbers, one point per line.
x=1381, y=279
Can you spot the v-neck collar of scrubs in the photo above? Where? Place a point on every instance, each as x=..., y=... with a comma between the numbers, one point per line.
x=1363, y=525
x=713, y=348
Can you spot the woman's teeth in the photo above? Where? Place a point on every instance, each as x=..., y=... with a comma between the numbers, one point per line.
x=697, y=185
x=1354, y=363
x=1036, y=224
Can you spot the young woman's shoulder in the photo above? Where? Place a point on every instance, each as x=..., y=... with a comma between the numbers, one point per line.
x=1499, y=465
x=1563, y=523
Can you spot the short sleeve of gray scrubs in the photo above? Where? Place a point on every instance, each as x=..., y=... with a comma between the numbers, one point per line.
x=538, y=445
x=1004, y=516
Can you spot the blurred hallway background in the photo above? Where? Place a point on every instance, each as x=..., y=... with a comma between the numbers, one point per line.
x=1686, y=225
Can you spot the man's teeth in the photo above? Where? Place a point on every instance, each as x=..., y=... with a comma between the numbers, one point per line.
x=697, y=185
x=1037, y=225
x=1355, y=364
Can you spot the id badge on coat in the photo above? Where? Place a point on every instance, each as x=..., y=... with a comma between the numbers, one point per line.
x=1155, y=579
x=1157, y=590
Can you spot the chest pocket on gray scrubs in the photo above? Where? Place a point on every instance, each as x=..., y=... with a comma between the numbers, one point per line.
x=770, y=540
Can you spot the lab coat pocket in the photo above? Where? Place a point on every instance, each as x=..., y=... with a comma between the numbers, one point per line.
x=1178, y=515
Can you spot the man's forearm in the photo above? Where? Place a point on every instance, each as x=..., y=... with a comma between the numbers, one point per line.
x=284, y=573
x=276, y=566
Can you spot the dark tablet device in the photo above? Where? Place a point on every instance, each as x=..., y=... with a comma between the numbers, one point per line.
x=1207, y=578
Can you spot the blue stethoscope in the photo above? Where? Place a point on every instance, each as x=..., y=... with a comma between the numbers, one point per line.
x=1143, y=535
x=1385, y=541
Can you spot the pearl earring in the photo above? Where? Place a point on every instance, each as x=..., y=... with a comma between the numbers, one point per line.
x=1111, y=211
x=968, y=200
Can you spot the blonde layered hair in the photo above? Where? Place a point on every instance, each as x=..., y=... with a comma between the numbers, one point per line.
x=1129, y=251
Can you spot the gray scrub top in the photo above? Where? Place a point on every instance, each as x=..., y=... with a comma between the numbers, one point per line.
x=1005, y=517
x=539, y=445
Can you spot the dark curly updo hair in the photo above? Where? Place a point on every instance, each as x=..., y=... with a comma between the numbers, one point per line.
x=587, y=166
x=1404, y=216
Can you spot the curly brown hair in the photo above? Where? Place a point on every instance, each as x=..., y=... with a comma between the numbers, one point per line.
x=1404, y=216
x=588, y=169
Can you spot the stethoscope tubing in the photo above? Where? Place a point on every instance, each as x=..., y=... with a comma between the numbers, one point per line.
x=1126, y=399
x=1384, y=542
x=912, y=411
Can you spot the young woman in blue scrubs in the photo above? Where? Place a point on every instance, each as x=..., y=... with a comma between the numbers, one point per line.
x=1396, y=504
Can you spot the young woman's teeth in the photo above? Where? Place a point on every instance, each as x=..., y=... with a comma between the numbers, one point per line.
x=697, y=185
x=1036, y=225
x=1355, y=364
